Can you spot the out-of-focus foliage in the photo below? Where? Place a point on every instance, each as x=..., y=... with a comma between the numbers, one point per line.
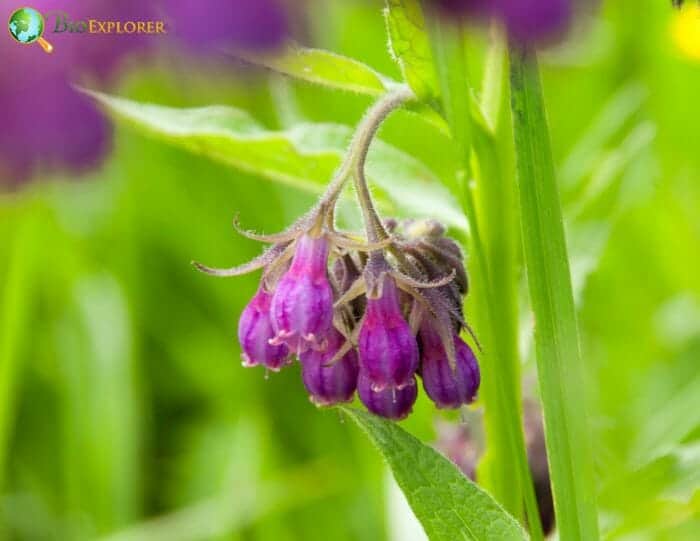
x=124, y=412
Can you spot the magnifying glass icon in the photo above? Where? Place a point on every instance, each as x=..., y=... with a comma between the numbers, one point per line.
x=26, y=26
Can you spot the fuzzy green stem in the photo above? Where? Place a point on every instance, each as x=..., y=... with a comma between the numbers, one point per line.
x=356, y=155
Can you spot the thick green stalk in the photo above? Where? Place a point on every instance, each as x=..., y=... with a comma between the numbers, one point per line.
x=556, y=335
x=494, y=282
x=14, y=322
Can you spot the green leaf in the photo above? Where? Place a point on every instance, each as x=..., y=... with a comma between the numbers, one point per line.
x=410, y=47
x=337, y=72
x=449, y=506
x=556, y=334
x=668, y=425
x=304, y=156
x=324, y=68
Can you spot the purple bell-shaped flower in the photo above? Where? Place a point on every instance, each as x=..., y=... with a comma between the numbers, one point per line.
x=388, y=349
x=255, y=332
x=390, y=403
x=334, y=384
x=446, y=387
x=302, y=304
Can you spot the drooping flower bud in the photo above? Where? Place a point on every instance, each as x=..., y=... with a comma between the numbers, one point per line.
x=302, y=304
x=390, y=403
x=334, y=384
x=446, y=387
x=388, y=349
x=254, y=334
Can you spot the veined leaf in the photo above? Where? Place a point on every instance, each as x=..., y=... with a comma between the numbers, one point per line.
x=324, y=68
x=449, y=506
x=410, y=46
x=304, y=156
x=337, y=72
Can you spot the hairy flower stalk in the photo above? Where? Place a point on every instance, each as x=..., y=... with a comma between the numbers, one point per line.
x=368, y=312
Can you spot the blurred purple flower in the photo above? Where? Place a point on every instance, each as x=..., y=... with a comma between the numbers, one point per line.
x=206, y=25
x=46, y=124
x=527, y=21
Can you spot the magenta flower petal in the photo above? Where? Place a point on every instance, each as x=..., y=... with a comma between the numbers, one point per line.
x=390, y=403
x=255, y=332
x=328, y=385
x=302, y=304
x=388, y=349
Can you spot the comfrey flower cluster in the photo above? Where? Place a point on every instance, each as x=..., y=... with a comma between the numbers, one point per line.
x=361, y=315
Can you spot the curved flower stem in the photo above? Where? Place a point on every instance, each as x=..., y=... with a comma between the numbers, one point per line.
x=354, y=162
x=368, y=129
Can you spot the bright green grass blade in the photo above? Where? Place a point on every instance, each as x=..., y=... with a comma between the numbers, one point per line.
x=556, y=335
x=494, y=277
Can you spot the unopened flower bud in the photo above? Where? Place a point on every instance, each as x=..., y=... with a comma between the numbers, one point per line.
x=388, y=349
x=446, y=387
x=302, y=304
x=390, y=403
x=254, y=334
x=334, y=384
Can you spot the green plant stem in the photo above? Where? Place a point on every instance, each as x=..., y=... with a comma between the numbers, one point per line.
x=357, y=156
x=494, y=281
x=556, y=335
x=14, y=321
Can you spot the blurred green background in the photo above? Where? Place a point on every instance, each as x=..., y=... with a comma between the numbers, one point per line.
x=124, y=411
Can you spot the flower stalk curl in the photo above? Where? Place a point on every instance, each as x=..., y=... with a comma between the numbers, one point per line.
x=361, y=312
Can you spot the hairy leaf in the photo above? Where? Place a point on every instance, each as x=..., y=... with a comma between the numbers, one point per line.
x=410, y=46
x=304, y=156
x=449, y=506
x=324, y=68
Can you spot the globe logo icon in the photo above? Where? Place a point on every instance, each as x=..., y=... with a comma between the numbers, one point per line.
x=26, y=26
